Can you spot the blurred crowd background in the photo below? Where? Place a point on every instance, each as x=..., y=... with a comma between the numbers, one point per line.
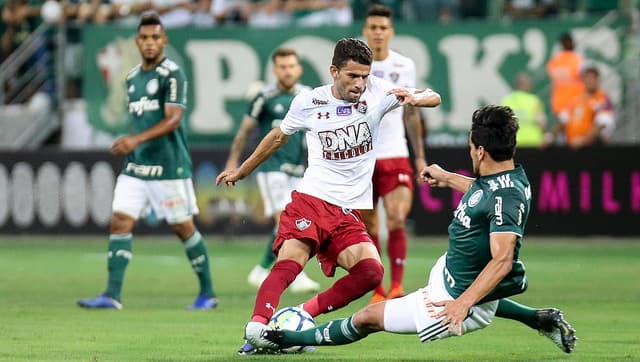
x=42, y=50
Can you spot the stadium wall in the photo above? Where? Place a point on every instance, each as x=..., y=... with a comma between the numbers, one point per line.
x=588, y=192
x=470, y=64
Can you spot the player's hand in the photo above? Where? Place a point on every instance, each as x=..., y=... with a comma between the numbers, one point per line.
x=229, y=177
x=434, y=175
x=124, y=145
x=453, y=314
x=419, y=164
x=404, y=95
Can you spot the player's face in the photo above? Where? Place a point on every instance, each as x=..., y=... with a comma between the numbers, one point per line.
x=350, y=81
x=378, y=31
x=590, y=81
x=287, y=70
x=151, y=41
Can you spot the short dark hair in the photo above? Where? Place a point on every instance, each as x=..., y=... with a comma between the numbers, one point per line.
x=566, y=40
x=495, y=128
x=351, y=49
x=283, y=52
x=593, y=70
x=149, y=18
x=380, y=10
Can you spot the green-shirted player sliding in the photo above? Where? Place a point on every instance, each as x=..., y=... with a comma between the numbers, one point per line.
x=281, y=173
x=479, y=269
x=157, y=169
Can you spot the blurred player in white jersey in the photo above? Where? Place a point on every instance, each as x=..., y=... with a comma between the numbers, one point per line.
x=393, y=175
x=341, y=121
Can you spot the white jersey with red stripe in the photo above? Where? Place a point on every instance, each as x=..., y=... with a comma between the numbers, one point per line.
x=340, y=140
x=400, y=71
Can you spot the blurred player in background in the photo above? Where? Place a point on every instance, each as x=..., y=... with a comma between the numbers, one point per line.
x=393, y=176
x=279, y=175
x=157, y=171
x=529, y=110
x=588, y=119
x=563, y=70
x=480, y=267
x=341, y=122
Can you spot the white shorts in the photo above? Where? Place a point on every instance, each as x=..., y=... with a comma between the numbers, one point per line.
x=275, y=188
x=413, y=313
x=173, y=200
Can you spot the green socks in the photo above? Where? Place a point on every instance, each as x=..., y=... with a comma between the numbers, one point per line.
x=510, y=309
x=118, y=259
x=335, y=332
x=268, y=258
x=197, y=254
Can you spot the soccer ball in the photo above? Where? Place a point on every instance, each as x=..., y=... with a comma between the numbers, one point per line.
x=292, y=319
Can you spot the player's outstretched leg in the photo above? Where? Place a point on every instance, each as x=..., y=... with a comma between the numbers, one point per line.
x=552, y=324
x=548, y=321
x=335, y=332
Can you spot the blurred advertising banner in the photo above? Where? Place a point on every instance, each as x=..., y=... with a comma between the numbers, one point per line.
x=588, y=192
x=71, y=192
x=593, y=191
x=470, y=64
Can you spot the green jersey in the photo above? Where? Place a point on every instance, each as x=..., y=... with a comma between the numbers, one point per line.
x=497, y=203
x=148, y=91
x=268, y=108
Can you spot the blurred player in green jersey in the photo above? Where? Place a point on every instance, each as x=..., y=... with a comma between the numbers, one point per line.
x=157, y=168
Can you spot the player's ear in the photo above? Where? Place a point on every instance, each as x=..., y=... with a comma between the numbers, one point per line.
x=334, y=72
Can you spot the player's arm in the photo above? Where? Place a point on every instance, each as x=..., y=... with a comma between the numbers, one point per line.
x=269, y=144
x=414, y=126
x=436, y=176
x=239, y=141
x=456, y=311
x=416, y=97
x=171, y=121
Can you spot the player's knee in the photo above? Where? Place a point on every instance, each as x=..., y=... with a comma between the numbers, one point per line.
x=396, y=220
x=121, y=223
x=368, y=320
x=370, y=271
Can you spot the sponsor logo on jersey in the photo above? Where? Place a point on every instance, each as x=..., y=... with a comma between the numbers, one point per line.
x=132, y=88
x=475, y=198
x=324, y=115
x=143, y=105
x=319, y=102
x=172, y=202
x=428, y=304
x=394, y=76
x=303, y=224
x=343, y=143
x=378, y=73
x=343, y=111
x=152, y=86
x=461, y=215
x=361, y=106
x=278, y=108
x=144, y=170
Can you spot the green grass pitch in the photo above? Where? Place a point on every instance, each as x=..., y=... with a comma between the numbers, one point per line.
x=593, y=280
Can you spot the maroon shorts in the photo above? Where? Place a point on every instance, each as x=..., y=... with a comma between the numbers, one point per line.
x=327, y=228
x=390, y=173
